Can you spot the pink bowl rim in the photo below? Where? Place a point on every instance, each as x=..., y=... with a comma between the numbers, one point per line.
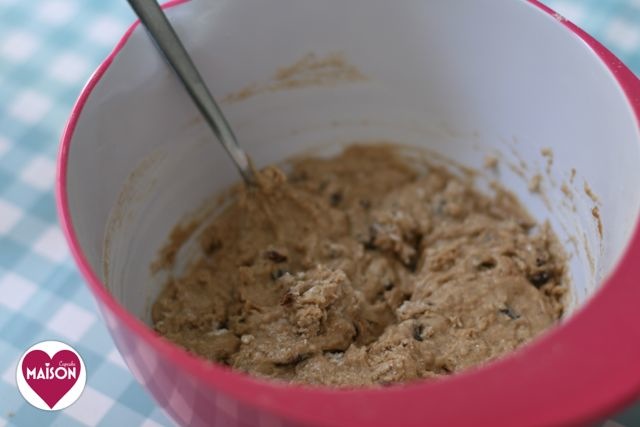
x=566, y=375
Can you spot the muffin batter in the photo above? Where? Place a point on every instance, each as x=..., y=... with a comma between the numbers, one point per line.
x=361, y=270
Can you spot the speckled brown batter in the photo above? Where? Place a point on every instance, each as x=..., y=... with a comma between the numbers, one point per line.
x=359, y=270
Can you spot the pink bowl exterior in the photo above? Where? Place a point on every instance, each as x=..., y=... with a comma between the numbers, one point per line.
x=577, y=373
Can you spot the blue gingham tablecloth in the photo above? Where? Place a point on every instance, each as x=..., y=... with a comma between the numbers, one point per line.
x=48, y=48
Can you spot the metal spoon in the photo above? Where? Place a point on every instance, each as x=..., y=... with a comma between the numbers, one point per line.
x=167, y=41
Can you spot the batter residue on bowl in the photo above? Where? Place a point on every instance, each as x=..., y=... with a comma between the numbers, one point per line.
x=361, y=270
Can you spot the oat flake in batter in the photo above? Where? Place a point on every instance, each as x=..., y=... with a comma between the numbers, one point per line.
x=359, y=270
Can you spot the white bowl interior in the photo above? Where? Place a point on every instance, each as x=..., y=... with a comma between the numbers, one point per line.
x=465, y=79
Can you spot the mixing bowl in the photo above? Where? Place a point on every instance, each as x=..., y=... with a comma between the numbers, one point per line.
x=466, y=80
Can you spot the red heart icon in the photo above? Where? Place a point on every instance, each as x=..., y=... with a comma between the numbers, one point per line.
x=51, y=378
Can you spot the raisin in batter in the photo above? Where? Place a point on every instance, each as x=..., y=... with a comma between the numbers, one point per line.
x=360, y=270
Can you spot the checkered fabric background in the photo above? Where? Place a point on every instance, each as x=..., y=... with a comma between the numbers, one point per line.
x=48, y=49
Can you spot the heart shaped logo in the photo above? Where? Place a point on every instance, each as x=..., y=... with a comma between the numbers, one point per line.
x=51, y=375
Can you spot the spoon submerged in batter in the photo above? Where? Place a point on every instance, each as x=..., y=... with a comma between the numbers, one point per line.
x=169, y=44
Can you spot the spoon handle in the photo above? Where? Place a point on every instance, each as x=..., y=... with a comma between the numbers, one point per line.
x=165, y=37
